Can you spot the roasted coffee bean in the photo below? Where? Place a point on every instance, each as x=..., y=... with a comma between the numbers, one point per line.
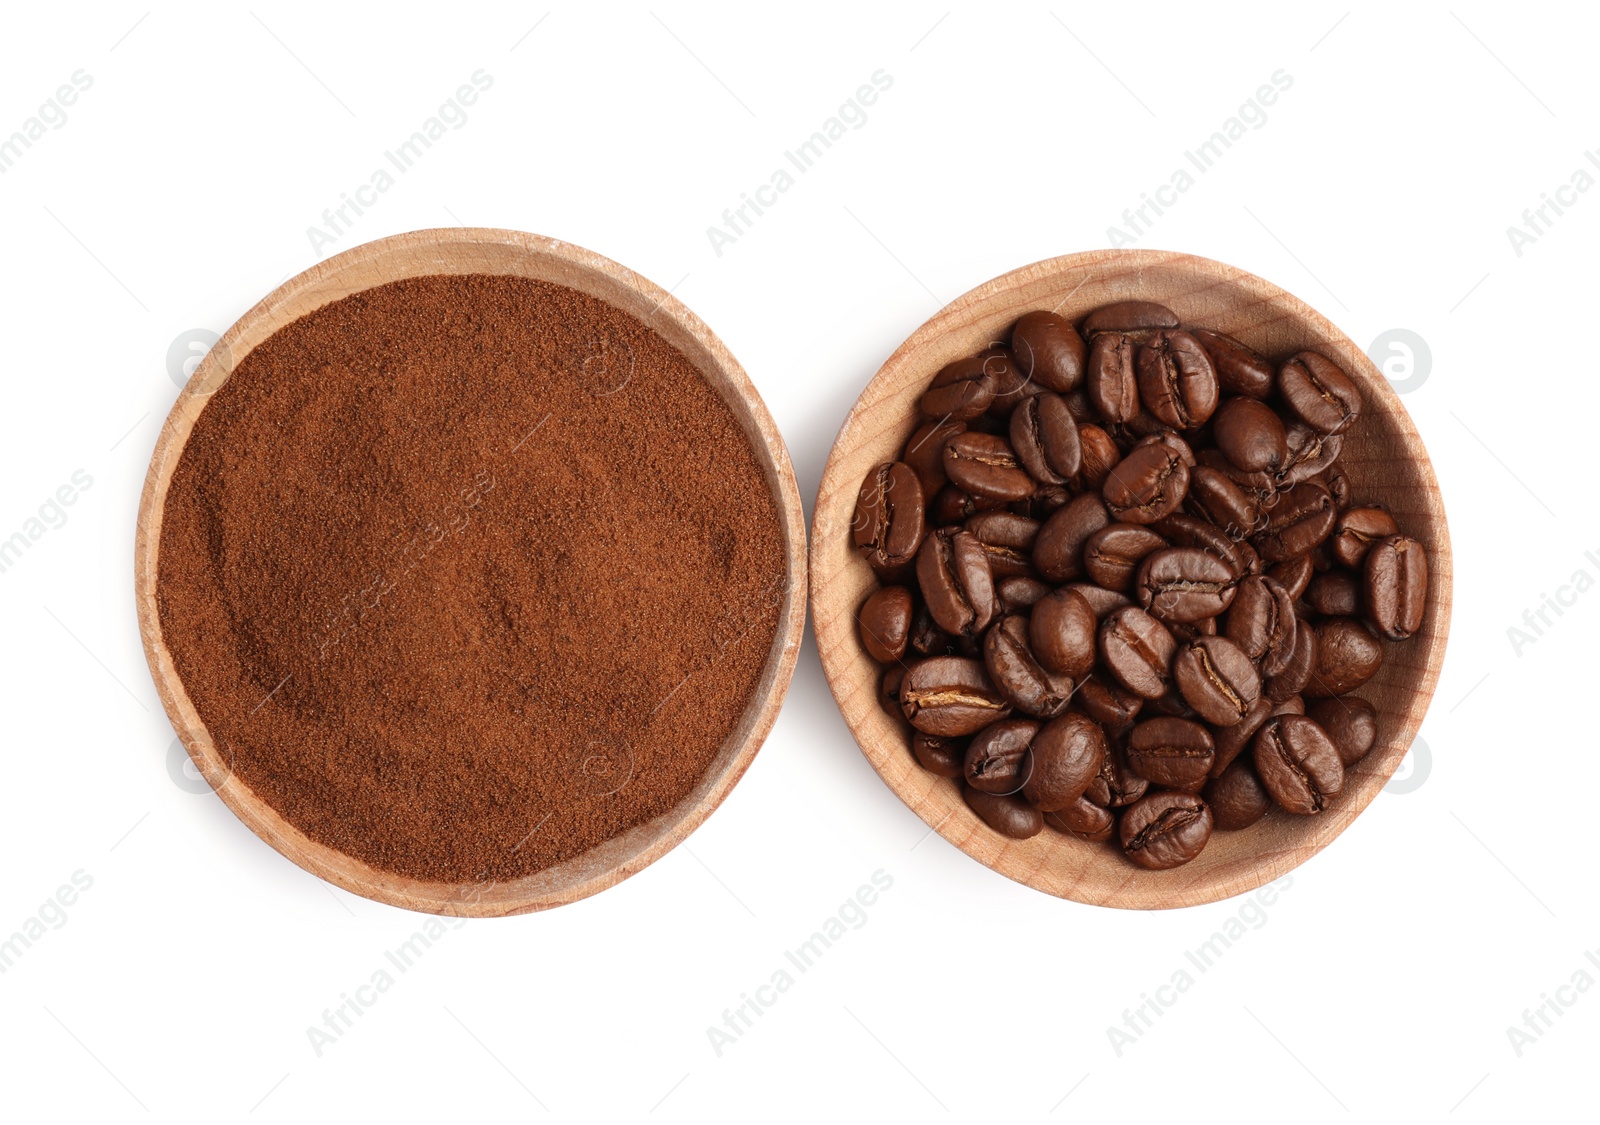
x=1171, y=705
x=925, y=454
x=1335, y=593
x=1000, y=758
x=1101, y=600
x=1046, y=439
x=1048, y=350
x=950, y=696
x=1262, y=623
x=1058, y=550
x=1099, y=455
x=1045, y=502
x=889, y=689
x=939, y=755
x=1111, y=381
x=1319, y=393
x=1137, y=649
x=926, y=638
x=1184, y=584
x=1012, y=387
x=885, y=623
x=1294, y=575
x=1062, y=633
x=1297, y=524
x=1395, y=586
x=1019, y=594
x=1351, y=724
x=1233, y=741
x=1250, y=434
x=953, y=572
x=1213, y=496
x=1185, y=631
x=1013, y=669
x=1176, y=753
x=952, y=506
x=1116, y=785
x=1217, y=679
x=888, y=527
x=961, y=391
x=1129, y=316
x=1108, y=702
x=1184, y=530
x=1150, y=482
x=1177, y=383
x=1009, y=816
x=1337, y=482
x=985, y=465
x=1297, y=673
x=1067, y=755
x=1237, y=797
x=1310, y=454
x=1166, y=829
x=1297, y=763
x=1354, y=533
x=1112, y=554
x=1348, y=655
x=1260, y=488
x=1084, y=819
x=1240, y=371
x=1007, y=539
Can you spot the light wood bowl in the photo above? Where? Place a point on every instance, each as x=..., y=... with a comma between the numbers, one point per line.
x=1386, y=462
x=464, y=251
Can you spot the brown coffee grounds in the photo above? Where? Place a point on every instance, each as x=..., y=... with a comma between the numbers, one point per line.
x=467, y=575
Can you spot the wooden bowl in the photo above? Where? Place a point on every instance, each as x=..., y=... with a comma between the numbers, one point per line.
x=464, y=251
x=1386, y=462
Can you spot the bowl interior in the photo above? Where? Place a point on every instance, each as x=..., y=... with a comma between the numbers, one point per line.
x=1385, y=460
x=466, y=251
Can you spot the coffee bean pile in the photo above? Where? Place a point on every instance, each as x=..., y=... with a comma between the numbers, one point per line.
x=1125, y=590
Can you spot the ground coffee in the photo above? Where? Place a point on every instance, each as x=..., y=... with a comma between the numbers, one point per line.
x=466, y=575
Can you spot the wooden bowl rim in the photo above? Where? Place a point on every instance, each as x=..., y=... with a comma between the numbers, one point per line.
x=835, y=631
x=433, y=252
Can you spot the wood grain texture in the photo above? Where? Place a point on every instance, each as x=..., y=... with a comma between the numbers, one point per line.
x=1386, y=462
x=464, y=251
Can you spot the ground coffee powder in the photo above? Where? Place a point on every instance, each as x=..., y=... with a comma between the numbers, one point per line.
x=466, y=575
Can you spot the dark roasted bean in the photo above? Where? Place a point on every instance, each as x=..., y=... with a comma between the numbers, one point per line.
x=1297, y=524
x=1019, y=593
x=1116, y=785
x=1319, y=393
x=1240, y=371
x=1297, y=763
x=1184, y=584
x=1009, y=816
x=951, y=696
x=1355, y=531
x=1395, y=586
x=1164, y=830
x=961, y=391
x=1294, y=575
x=1334, y=593
x=1310, y=453
x=885, y=623
x=1262, y=623
x=1000, y=757
x=1351, y=724
x=1233, y=741
x=1137, y=649
x=1058, y=550
x=1108, y=702
x=1250, y=434
x=888, y=526
x=1067, y=754
x=1177, y=383
x=1101, y=600
x=1176, y=753
x=1217, y=679
x=957, y=586
x=1048, y=350
x=1348, y=655
x=939, y=755
x=1007, y=540
x=1215, y=497
x=986, y=465
x=1129, y=316
x=1297, y=673
x=1062, y=633
x=1084, y=819
x=1046, y=439
x=924, y=452
x=1237, y=797
x=1151, y=481
x=1013, y=669
x=1099, y=454
x=1112, y=554
x=1111, y=383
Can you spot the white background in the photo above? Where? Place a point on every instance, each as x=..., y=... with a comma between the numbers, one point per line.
x=1382, y=981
